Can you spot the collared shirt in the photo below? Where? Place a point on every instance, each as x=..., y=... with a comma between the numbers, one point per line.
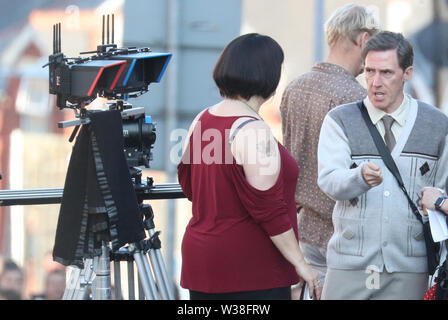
x=400, y=116
x=305, y=102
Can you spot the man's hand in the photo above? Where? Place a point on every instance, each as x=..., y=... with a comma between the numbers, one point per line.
x=372, y=174
x=428, y=197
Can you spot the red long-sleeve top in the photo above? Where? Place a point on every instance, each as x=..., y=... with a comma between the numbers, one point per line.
x=227, y=245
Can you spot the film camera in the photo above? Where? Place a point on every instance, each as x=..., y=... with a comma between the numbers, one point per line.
x=112, y=73
x=104, y=205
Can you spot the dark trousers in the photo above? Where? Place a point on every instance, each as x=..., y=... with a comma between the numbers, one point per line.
x=283, y=293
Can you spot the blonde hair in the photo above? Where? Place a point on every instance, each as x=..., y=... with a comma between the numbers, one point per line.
x=348, y=21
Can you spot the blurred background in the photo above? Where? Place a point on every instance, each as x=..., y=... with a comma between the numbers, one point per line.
x=34, y=153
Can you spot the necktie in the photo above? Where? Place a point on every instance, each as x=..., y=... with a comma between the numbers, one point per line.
x=388, y=136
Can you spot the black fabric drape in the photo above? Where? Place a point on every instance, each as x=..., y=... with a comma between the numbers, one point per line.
x=99, y=202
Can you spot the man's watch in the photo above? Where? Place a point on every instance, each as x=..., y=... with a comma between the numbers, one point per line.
x=439, y=202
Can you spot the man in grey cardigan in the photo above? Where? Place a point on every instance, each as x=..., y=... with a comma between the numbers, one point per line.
x=378, y=250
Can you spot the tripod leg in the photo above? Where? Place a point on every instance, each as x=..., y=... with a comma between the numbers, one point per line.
x=72, y=283
x=117, y=280
x=141, y=293
x=166, y=286
x=158, y=274
x=166, y=280
x=150, y=277
x=79, y=281
x=131, y=281
x=102, y=279
x=146, y=278
x=85, y=281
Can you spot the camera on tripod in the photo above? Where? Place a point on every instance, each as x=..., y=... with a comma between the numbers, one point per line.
x=102, y=202
x=112, y=73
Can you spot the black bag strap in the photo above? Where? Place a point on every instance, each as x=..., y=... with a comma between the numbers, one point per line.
x=387, y=157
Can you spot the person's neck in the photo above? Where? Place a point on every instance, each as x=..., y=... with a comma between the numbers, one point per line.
x=396, y=105
x=253, y=104
x=347, y=59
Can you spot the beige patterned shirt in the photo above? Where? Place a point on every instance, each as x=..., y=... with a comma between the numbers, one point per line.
x=305, y=102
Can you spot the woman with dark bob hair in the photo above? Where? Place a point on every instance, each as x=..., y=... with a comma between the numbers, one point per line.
x=241, y=242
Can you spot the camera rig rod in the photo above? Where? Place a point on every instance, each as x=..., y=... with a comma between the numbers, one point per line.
x=84, y=119
x=54, y=195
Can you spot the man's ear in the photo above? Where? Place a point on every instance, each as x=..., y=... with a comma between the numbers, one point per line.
x=408, y=73
x=362, y=38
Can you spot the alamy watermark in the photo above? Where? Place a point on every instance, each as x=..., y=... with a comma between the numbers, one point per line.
x=207, y=147
x=73, y=17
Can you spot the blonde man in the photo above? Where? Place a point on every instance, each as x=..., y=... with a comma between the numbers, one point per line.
x=305, y=102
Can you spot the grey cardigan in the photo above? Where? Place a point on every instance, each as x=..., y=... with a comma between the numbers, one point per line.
x=375, y=226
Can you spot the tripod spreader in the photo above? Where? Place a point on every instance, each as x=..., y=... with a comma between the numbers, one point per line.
x=123, y=254
x=154, y=242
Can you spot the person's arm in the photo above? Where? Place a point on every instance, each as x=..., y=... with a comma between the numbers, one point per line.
x=429, y=195
x=444, y=207
x=258, y=153
x=184, y=173
x=190, y=130
x=288, y=245
x=257, y=150
x=335, y=177
x=428, y=198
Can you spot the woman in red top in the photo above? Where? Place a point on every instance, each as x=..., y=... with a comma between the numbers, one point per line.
x=241, y=242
